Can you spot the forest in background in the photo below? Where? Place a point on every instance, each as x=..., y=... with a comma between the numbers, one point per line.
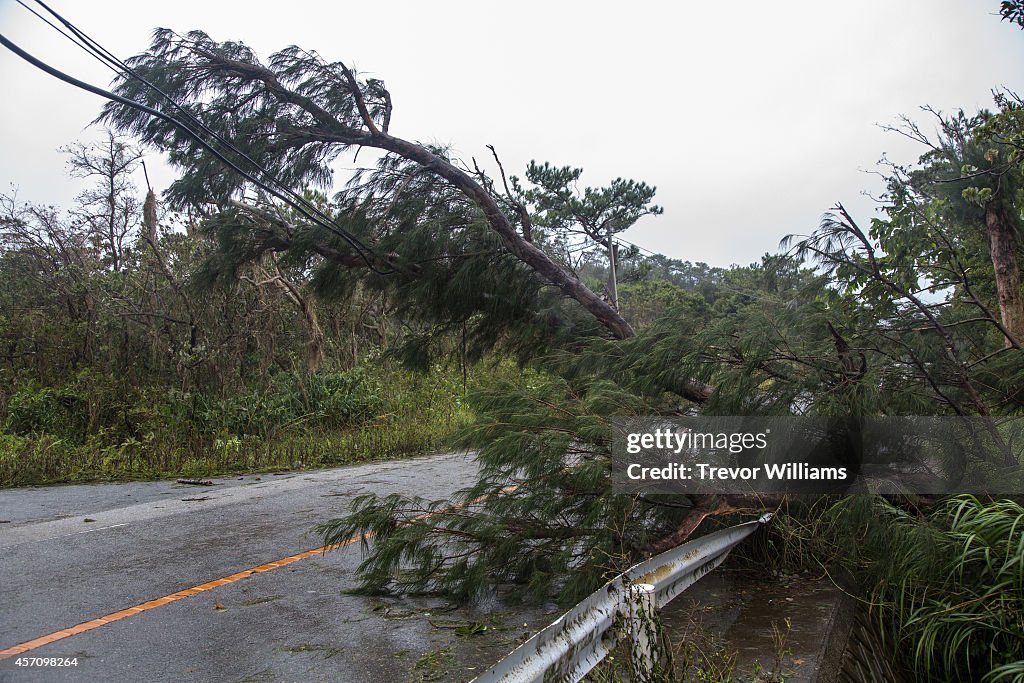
x=232, y=325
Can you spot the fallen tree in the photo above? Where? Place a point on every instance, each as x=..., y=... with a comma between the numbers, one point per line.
x=463, y=251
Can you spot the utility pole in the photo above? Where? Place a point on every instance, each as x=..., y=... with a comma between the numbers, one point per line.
x=613, y=282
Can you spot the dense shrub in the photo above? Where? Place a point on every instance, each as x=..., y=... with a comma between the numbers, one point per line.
x=92, y=429
x=35, y=409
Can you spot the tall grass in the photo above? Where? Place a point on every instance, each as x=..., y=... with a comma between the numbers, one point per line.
x=334, y=419
x=946, y=586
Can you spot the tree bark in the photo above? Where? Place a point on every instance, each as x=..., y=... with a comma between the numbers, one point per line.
x=523, y=249
x=315, y=341
x=1002, y=244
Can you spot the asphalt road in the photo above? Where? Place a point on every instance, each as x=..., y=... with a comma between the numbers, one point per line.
x=70, y=554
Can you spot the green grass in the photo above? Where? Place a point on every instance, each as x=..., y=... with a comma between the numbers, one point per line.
x=403, y=414
x=945, y=585
x=47, y=460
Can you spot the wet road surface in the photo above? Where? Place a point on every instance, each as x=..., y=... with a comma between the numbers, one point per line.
x=72, y=554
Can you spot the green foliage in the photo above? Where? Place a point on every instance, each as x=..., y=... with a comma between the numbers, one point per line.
x=559, y=208
x=643, y=302
x=342, y=398
x=465, y=285
x=33, y=409
x=333, y=419
x=930, y=300
x=762, y=337
x=1012, y=11
x=946, y=587
x=207, y=330
x=328, y=400
x=245, y=114
x=539, y=515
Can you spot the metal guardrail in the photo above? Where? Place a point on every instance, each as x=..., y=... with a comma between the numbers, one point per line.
x=578, y=640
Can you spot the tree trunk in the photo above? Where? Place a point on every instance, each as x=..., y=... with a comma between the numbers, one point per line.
x=524, y=250
x=1002, y=244
x=315, y=341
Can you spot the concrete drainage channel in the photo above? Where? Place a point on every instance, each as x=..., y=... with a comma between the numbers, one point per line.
x=740, y=625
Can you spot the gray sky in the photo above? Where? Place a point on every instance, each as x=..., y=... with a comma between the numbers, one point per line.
x=750, y=118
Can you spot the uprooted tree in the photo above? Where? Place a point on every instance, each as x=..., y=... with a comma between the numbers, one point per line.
x=463, y=251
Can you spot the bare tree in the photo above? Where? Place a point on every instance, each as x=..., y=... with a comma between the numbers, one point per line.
x=109, y=209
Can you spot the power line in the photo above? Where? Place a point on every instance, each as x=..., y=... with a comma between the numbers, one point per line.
x=632, y=244
x=61, y=31
x=272, y=184
x=298, y=202
x=108, y=58
x=282, y=191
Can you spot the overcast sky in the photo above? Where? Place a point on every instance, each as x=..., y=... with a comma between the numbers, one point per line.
x=750, y=118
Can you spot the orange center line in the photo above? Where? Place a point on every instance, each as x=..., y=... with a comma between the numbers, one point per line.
x=203, y=587
x=173, y=597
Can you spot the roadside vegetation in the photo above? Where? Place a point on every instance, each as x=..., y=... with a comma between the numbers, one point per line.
x=942, y=584
x=118, y=360
x=329, y=419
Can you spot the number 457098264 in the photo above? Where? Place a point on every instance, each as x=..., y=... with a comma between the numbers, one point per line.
x=46, y=661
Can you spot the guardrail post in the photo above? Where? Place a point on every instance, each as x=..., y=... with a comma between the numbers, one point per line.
x=642, y=630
